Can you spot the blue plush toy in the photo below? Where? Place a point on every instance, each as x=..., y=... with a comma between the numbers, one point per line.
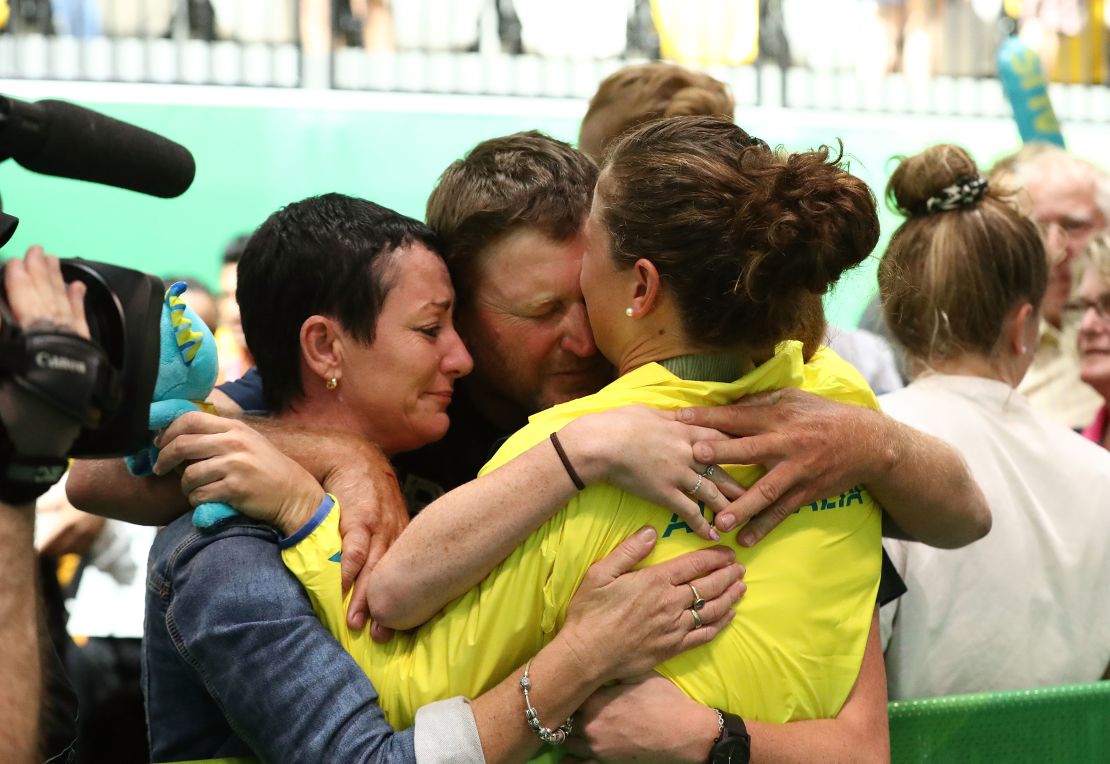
x=187, y=368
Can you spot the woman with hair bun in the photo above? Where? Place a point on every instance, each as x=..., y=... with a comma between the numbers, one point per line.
x=962, y=283
x=701, y=244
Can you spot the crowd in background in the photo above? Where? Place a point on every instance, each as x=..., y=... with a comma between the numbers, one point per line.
x=917, y=37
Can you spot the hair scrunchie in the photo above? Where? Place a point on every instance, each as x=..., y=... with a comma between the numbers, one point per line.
x=966, y=190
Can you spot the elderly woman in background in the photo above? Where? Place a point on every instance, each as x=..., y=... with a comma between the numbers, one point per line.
x=1089, y=312
x=962, y=283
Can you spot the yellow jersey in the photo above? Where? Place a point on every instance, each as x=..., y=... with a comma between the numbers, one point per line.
x=793, y=651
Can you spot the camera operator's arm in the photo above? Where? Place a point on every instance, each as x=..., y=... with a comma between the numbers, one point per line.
x=20, y=692
x=40, y=302
x=104, y=487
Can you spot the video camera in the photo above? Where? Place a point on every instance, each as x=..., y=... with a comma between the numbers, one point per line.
x=105, y=384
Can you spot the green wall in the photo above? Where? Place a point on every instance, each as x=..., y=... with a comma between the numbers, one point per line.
x=256, y=150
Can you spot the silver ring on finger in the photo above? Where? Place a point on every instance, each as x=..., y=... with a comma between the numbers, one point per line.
x=698, y=602
x=697, y=618
x=697, y=486
x=708, y=471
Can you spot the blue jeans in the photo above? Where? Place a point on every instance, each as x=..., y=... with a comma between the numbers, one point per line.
x=235, y=662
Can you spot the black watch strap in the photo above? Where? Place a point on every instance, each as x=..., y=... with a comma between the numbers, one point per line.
x=735, y=744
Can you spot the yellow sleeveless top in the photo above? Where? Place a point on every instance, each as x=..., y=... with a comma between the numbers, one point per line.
x=793, y=651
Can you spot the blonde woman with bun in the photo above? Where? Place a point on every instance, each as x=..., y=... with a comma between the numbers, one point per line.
x=962, y=283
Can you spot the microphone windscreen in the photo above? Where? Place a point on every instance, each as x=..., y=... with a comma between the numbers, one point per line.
x=85, y=145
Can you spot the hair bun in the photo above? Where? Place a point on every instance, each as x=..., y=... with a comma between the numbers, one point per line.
x=940, y=178
x=821, y=221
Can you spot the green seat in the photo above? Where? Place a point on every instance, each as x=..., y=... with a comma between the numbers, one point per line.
x=1070, y=723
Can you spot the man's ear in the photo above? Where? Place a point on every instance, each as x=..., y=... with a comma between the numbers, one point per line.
x=647, y=288
x=322, y=347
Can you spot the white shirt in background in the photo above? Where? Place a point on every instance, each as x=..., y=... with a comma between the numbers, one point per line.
x=1029, y=604
x=111, y=596
x=872, y=356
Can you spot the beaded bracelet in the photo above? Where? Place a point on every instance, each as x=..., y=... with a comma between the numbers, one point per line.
x=555, y=736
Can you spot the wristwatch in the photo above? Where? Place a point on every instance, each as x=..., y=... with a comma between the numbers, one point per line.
x=734, y=746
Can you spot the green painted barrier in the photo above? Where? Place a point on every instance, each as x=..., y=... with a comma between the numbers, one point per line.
x=1069, y=724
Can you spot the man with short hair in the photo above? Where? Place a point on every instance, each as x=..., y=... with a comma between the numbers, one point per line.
x=511, y=215
x=1069, y=199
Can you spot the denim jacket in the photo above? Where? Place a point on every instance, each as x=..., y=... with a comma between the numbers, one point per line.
x=235, y=662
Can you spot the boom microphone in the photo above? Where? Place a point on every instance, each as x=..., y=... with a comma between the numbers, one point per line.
x=59, y=138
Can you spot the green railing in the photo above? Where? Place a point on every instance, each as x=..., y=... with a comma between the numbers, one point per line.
x=1069, y=724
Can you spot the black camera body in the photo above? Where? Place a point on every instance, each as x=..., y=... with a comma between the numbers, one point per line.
x=106, y=384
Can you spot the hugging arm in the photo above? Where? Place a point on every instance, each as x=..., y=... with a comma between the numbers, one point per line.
x=347, y=466
x=283, y=684
x=293, y=694
x=583, y=655
x=485, y=519
x=814, y=447
x=653, y=720
x=641, y=450
x=360, y=475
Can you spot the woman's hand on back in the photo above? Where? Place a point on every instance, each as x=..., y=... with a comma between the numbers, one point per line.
x=650, y=454
x=623, y=622
x=225, y=460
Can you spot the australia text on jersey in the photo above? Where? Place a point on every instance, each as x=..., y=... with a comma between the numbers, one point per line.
x=843, y=501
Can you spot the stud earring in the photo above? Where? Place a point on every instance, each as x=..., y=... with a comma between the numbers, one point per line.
x=332, y=383
x=628, y=312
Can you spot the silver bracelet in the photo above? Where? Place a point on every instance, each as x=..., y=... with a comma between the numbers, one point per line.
x=720, y=726
x=555, y=736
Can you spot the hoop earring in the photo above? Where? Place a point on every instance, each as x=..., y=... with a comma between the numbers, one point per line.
x=332, y=383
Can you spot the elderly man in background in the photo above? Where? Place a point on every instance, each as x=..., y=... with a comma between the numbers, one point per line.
x=1069, y=199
